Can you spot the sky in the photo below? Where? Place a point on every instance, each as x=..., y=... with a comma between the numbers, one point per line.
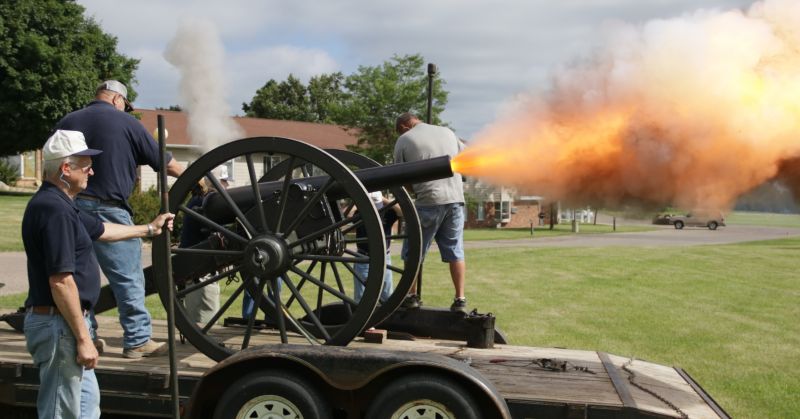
x=490, y=53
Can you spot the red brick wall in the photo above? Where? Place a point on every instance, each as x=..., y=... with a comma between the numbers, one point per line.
x=522, y=214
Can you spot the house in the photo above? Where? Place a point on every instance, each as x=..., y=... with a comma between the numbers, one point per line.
x=498, y=207
x=185, y=152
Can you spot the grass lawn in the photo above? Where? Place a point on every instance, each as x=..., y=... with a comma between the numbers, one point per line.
x=13, y=206
x=763, y=219
x=727, y=314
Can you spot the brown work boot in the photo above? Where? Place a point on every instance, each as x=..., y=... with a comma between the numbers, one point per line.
x=151, y=348
x=100, y=345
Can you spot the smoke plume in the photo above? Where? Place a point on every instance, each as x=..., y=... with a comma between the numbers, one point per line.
x=197, y=52
x=690, y=111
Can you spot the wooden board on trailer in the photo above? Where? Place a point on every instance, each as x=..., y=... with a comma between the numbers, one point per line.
x=520, y=373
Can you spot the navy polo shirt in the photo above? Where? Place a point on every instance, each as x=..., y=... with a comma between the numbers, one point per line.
x=58, y=238
x=126, y=145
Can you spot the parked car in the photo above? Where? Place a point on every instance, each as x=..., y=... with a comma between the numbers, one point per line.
x=663, y=219
x=712, y=220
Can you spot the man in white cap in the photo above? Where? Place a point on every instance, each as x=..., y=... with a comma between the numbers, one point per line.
x=64, y=278
x=126, y=145
x=202, y=304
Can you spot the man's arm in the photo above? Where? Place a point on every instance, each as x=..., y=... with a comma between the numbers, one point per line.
x=65, y=295
x=115, y=232
x=174, y=168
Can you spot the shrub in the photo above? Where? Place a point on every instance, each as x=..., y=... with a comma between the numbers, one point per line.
x=8, y=173
x=146, y=206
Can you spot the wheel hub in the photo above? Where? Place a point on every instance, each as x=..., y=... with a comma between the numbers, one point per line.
x=266, y=256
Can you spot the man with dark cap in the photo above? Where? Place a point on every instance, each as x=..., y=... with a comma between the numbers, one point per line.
x=126, y=145
x=64, y=278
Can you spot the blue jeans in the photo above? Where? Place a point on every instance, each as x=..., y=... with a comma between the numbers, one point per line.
x=66, y=389
x=248, y=303
x=122, y=264
x=445, y=223
x=362, y=270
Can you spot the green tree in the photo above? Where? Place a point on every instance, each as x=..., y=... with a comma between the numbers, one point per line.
x=287, y=100
x=324, y=93
x=366, y=102
x=51, y=60
x=375, y=96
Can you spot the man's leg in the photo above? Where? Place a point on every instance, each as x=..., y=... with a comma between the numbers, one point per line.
x=90, y=392
x=458, y=271
x=52, y=347
x=359, y=279
x=450, y=239
x=388, y=280
x=121, y=264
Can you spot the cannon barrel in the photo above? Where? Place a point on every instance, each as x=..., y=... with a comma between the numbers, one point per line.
x=373, y=179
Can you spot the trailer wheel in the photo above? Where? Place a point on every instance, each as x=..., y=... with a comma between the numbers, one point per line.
x=419, y=396
x=273, y=395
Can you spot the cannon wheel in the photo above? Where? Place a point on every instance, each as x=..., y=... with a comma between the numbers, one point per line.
x=407, y=268
x=299, y=276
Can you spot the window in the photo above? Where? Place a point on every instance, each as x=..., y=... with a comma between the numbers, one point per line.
x=501, y=211
x=481, y=212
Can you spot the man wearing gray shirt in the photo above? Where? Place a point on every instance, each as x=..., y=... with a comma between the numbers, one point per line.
x=439, y=203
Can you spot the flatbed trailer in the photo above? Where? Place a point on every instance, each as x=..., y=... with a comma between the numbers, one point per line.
x=533, y=382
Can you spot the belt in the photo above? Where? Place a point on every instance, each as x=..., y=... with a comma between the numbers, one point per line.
x=51, y=310
x=114, y=202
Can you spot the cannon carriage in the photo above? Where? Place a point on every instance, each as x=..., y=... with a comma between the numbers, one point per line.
x=287, y=238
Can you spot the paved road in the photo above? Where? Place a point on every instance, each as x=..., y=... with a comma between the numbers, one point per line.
x=14, y=263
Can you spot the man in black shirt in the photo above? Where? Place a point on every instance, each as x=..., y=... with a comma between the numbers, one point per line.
x=126, y=145
x=64, y=278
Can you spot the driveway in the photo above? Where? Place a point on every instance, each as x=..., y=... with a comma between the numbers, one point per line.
x=14, y=269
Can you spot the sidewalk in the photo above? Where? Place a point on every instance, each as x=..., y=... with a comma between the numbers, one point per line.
x=15, y=271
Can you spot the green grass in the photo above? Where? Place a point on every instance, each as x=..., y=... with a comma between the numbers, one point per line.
x=727, y=314
x=763, y=219
x=13, y=206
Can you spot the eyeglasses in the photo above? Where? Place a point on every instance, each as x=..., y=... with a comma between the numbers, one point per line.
x=84, y=169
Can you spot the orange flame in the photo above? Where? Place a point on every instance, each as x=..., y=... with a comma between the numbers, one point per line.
x=692, y=112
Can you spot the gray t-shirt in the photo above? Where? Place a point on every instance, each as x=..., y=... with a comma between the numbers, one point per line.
x=426, y=141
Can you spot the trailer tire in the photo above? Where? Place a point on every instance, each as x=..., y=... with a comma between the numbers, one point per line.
x=273, y=394
x=422, y=396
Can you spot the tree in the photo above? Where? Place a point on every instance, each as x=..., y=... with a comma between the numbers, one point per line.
x=375, y=96
x=51, y=60
x=286, y=100
x=324, y=92
x=366, y=102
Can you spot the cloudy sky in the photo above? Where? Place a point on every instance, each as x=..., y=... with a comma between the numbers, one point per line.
x=488, y=52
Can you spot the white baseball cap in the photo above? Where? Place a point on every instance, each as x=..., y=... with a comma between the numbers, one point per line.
x=117, y=87
x=222, y=173
x=65, y=143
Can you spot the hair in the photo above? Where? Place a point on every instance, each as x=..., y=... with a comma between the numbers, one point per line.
x=53, y=167
x=404, y=119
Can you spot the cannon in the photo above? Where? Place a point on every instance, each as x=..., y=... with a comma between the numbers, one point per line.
x=288, y=239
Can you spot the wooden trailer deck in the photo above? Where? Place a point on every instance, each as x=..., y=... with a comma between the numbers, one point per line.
x=564, y=378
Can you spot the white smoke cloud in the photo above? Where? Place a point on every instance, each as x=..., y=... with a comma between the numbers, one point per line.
x=197, y=52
